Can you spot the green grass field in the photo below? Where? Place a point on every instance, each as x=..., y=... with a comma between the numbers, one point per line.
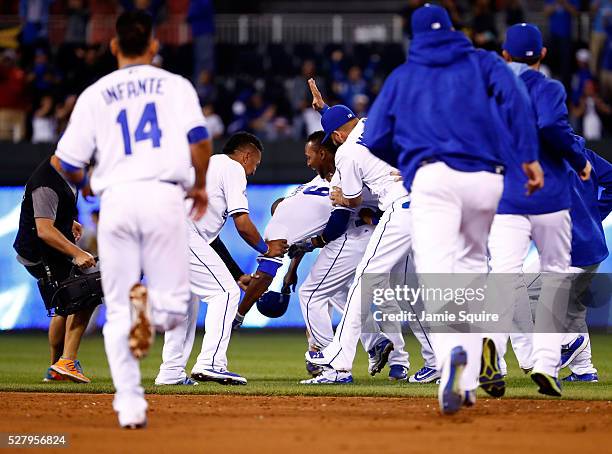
x=273, y=364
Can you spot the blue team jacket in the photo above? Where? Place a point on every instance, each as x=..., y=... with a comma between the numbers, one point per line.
x=589, y=209
x=559, y=146
x=445, y=104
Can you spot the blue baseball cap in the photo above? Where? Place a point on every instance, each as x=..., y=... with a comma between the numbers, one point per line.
x=523, y=41
x=429, y=18
x=334, y=117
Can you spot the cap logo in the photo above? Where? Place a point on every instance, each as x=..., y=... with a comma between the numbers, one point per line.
x=349, y=116
x=436, y=26
x=529, y=53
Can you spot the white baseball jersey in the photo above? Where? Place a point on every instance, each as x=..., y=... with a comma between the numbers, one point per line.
x=303, y=214
x=226, y=186
x=134, y=122
x=359, y=168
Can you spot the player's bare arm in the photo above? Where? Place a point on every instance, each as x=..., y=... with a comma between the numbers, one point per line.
x=291, y=278
x=338, y=199
x=200, y=155
x=317, y=99
x=249, y=233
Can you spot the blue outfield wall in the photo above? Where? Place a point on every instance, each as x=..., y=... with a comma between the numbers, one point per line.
x=22, y=308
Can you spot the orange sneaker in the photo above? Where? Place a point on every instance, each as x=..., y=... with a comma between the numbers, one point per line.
x=52, y=376
x=69, y=370
x=142, y=332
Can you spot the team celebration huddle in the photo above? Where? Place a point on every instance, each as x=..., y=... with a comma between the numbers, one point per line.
x=464, y=159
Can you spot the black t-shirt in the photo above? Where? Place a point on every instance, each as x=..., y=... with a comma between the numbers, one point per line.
x=27, y=244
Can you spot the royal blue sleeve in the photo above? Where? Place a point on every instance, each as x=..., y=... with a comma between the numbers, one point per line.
x=336, y=225
x=554, y=127
x=603, y=171
x=514, y=105
x=380, y=124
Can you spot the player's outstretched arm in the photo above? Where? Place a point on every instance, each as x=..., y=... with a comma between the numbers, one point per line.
x=248, y=232
x=317, y=99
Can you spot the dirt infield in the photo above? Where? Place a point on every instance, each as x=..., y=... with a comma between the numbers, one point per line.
x=249, y=424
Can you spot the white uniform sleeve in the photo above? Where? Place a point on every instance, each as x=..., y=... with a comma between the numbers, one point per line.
x=78, y=143
x=191, y=112
x=234, y=189
x=351, y=176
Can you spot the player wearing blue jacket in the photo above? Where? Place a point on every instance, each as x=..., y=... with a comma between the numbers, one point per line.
x=543, y=217
x=441, y=119
x=591, y=205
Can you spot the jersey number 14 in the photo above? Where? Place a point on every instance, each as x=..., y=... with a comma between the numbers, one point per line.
x=147, y=128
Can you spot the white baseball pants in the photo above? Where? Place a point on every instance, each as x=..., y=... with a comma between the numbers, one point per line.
x=452, y=212
x=509, y=242
x=142, y=229
x=386, y=252
x=326, y=286
x=212, y=283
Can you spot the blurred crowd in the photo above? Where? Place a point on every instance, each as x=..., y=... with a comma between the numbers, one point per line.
x=262, y=87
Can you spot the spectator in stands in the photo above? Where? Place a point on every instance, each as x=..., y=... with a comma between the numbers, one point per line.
x=484, y=28
x=76, y=23
x=582, y=74
x=214, y=124
x=351, y=86
x=13, y=98
x=600, y=10
x=43, y=75
x=589, y=110
x=44, y=123
x=63, y=111
x=361, y=105
x=305, y=119
x=560, y=18
x=207, y=92
x=201, y=16
x=514, y=13
x=34, y=16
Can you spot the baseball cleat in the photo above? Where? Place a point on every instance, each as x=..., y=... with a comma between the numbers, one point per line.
x=469, y=398
x=424, y=375
x=397, y=372
x=52, y=376
x=221, y=376
x=313, y=369
x=69, y=370
x=491, y=378
x=142, y=332
x=133, y=421
x=316, y=358
x=586, y=378
x=330, y=376
x=571, y=350
x=548, y=385
x=184, y=382
x=378, y=356
x=450, y=395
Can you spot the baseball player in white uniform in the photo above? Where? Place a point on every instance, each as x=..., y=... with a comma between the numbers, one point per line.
x=210, y=279
x=387, y=251
x=139, y=122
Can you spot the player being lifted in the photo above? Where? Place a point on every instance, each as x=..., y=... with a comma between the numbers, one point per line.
x=211, y=280
x=145, y=127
